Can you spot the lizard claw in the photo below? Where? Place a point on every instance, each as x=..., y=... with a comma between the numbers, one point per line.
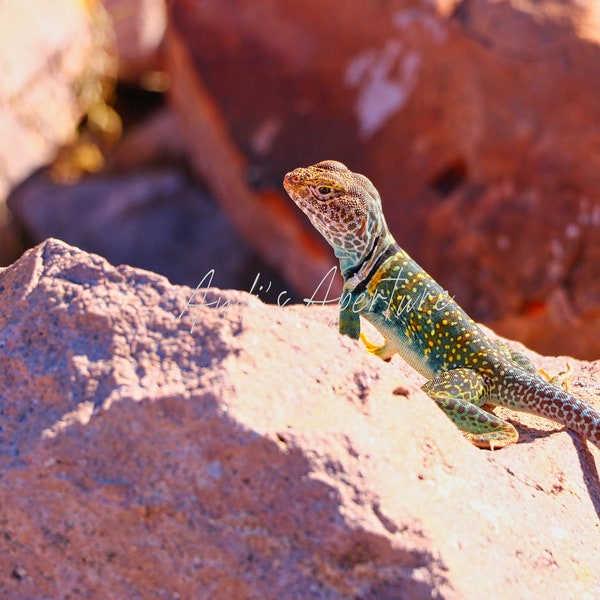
x=561, y=380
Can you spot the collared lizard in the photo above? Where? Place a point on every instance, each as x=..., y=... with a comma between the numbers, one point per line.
x=464, y=367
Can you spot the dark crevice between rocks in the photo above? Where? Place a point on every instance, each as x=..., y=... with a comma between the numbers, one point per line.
x=450, y=177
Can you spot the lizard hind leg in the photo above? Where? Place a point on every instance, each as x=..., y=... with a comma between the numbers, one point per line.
x=561, y=380
x=460, y=394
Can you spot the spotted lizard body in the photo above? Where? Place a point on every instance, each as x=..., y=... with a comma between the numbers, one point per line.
x=418, y=319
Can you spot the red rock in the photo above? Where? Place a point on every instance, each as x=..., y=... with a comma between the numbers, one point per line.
x=260, y=455
x=151, y=144
x=263, y=217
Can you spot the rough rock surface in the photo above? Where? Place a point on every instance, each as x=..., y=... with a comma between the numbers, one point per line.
x=476, y=120
x=249, y=451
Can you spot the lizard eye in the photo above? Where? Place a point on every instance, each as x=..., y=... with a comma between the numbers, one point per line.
x=325, y=190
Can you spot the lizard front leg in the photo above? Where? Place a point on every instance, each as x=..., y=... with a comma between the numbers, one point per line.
x=349, y=322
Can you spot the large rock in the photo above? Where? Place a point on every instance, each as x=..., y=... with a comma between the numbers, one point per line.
x=249, y=451
x=139, y=27
x=474, y=119
x=153, y=219
x=49, y=51
x=51, y=60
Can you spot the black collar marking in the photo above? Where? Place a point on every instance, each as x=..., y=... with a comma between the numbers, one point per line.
x=390, y=251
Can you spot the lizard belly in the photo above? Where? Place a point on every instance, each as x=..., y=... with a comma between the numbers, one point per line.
x=409, y=351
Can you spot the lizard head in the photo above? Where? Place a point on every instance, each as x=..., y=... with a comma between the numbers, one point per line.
x=344, y=207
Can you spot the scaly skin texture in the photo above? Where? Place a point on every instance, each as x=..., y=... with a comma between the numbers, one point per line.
x=465, y=369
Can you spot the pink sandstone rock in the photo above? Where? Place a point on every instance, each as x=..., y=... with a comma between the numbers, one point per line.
x=249, y=451
x=47, y=50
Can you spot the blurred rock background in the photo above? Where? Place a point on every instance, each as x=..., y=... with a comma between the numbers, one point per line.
x=157, y=134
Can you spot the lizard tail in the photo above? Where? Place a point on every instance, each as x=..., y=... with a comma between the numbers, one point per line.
x=531, y=394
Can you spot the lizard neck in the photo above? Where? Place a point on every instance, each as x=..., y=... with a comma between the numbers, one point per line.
x=357, y=270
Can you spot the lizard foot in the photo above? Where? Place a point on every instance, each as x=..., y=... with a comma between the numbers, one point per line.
x=493, y=440
x=561, y=380
x=382, y=351
x=371, y=347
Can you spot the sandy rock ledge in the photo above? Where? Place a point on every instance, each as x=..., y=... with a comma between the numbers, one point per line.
x=252, y=452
